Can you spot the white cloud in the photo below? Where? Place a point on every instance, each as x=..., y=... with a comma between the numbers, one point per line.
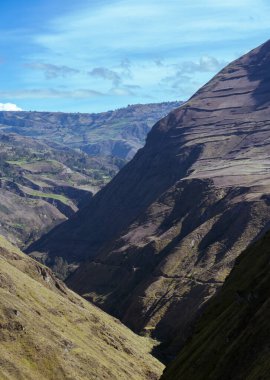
x=9, y=107
x=205, y=64
x=121, y=91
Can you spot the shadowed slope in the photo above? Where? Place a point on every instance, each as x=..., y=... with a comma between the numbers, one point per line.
x=231, y=339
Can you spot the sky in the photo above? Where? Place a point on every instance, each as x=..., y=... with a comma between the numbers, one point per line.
x=98, y=55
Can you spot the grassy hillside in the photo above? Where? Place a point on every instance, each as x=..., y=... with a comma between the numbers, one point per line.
x=47, y=332
x=231, y=339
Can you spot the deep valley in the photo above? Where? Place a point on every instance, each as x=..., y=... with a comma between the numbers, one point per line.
x=135, y=243
x=159, y=240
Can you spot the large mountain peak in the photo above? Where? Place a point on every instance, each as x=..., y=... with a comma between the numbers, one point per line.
x=244, y=79
x=241, y=86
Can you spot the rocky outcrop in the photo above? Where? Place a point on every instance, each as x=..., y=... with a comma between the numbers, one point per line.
x=160, y=239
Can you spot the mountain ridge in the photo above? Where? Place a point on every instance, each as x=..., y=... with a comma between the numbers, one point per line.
x=160, y=239
x=118, y=133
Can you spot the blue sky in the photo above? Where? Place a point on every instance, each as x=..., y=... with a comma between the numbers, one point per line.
x=91, y=56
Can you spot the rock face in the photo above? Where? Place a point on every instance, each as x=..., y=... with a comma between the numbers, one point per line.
x=231, y=339
x=47, y=332
x=159, y=240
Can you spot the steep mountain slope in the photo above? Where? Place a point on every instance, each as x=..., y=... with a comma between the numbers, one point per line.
x=47, y=332
x=117, y=133
x=231, y=339
x=159, y=240
x=50, y=163
x=41, y=186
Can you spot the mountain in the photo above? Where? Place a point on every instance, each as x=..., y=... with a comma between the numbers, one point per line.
x=158, y=241
x=117, y=133
x=48, y=332
x=231, y=339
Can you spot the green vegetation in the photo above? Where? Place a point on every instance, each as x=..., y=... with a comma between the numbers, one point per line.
x=17, y=162
x=58, y=197
x=18, y=226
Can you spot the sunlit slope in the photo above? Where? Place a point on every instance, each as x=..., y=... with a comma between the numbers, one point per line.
x=48, y=332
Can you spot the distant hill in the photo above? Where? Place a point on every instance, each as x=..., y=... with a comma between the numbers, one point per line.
x=117, y=133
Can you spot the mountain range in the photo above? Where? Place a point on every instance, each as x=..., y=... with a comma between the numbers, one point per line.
x=175, y=247
x=155, y=244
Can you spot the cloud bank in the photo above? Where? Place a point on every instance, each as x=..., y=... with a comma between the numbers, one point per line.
x=9, y=107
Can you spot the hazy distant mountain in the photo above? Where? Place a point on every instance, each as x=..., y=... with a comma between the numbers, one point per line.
x=162, y=236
